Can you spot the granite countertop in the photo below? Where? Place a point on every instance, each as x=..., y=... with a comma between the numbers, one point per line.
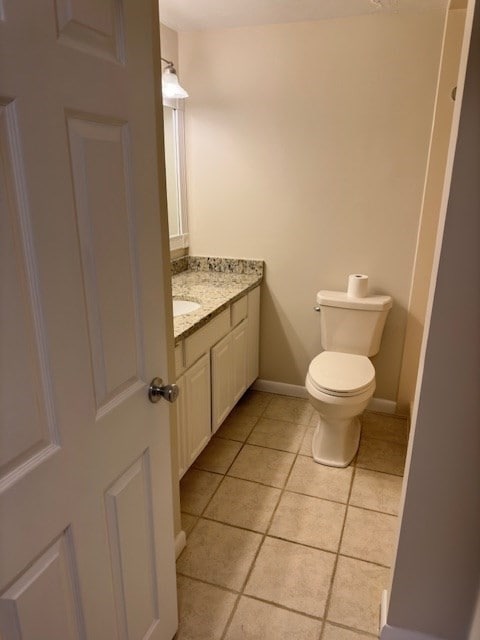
x=213, y=283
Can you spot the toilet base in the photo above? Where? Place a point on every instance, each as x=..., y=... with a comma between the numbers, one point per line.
x=335, y=443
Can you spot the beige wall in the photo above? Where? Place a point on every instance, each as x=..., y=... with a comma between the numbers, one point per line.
x=431, y=205
x=169, y=44
x=307, y=147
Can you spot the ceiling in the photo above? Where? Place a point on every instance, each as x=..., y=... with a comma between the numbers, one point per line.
x=194, y=15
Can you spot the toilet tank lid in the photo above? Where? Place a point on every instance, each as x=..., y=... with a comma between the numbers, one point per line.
x=343, y=300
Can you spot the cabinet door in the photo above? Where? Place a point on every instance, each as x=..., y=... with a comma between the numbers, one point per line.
x=238, y=369
x=221, y=381
x=197, y=406
x=182, y=435
x=253, y=332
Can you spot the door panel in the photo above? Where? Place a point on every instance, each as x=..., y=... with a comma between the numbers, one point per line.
x=129, y=518
x=24, y=363
x=93, y=27
x=43, y=602
x=100, y=155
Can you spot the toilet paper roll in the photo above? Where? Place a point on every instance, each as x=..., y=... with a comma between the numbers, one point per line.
x=357, y=285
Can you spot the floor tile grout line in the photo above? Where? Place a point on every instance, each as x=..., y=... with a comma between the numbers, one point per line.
x=317, y=497
x=260, y=546
x=224, y=474
x=267, y=534
x=281, y=606
x=282, y=493
x=270, y=535
x=301, y=492
x=239, y=594
x=375, y=564
x=334, y=571
x=282, y=420
x=292, y=453
x=278, y=448
x=264, y=446
x=389, y=473
x=216, y=490
x=359, y=466
x=231, y=616
x=303, y=455
x=193, y=467
x=360, y=632
x=237, y=601
x=199, y=517
x=207, y=582
x=355, y=467
x=282, y=490
x=385, y=473
x=244, y=442
x=370, y=510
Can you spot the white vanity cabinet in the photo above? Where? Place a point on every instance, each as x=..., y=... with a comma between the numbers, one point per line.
x=229, y=373
x=193, y=412
x=214, y=366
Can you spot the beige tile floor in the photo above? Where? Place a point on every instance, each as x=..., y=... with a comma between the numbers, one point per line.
x=282, y=548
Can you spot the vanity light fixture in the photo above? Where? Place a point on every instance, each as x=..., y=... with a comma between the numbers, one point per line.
x=170, y=86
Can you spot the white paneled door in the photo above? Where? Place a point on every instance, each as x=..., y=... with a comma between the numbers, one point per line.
x=86, y=534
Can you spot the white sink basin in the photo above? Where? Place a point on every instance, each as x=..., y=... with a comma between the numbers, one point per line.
x=181, y=307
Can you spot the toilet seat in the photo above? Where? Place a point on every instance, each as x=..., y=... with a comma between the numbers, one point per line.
x=341, y=374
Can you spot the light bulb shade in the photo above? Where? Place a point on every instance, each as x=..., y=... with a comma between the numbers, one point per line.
x=170, y=86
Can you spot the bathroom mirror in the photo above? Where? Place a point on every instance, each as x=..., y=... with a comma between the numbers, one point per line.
x=175, y=172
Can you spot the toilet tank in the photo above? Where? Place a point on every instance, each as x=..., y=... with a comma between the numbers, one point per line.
x=352, y=325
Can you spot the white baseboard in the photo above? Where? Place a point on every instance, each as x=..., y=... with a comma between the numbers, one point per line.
x=382, y=406
x=395, y=633
x=297, y=391
x=180, y=543
x=282, y=388
x=383, y=609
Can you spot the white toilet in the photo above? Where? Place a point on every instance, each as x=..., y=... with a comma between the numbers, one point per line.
x=341, y=380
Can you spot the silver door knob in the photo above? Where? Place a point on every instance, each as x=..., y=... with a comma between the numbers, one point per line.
x=157, y=390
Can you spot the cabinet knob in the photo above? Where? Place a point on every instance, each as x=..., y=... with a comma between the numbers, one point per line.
x=157, y=390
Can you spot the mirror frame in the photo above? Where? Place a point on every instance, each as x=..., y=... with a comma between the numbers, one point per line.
x=179, y=241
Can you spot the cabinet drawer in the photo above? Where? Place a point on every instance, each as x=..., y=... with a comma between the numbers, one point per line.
x=203, y=339
x=238, y=311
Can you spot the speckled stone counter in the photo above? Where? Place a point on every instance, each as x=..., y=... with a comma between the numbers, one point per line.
x=214, y=283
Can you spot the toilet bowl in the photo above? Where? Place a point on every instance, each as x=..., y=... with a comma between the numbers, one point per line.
x=339, y=386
